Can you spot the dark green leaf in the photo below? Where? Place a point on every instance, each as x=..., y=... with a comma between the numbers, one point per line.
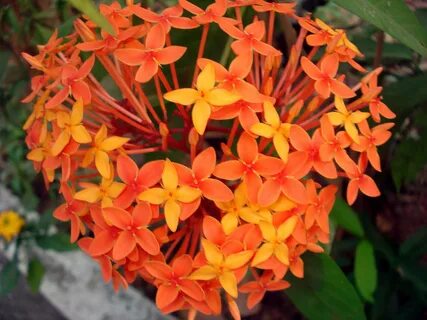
x=365, y=270
x=57, y=242
x=35, y=274
x=406, y=163
x=415, y=246
x=325, y=293
x=392, y=16
x=414, y=272
x=88, y=8
x=391, y=53
x=346, y=218
x=397, y=98
x=9, y=277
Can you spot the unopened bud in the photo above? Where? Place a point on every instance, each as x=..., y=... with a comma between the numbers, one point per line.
x=163, y=128
x=295, y=110
x=84, y=31
x=268, y=64
x=277, y=62
x=226, y=150
x=193, y=137
x=268, y=87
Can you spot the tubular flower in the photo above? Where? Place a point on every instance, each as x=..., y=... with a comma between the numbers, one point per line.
x=251, y=195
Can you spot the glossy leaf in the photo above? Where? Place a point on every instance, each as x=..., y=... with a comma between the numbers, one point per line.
x=365, y=270
x=392, y=16
x=35, y=275
x=88, y=8
x=345, y=217
x=325, y=292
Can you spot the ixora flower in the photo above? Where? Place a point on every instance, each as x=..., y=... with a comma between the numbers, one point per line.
x=220, y=221
x=11, y=224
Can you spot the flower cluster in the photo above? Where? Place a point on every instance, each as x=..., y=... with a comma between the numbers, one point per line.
x=10, y=224
x=224, y=219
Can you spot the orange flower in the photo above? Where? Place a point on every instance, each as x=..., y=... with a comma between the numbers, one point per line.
x=359, y=180
x=233, y=79
x=174, y=281
x=170, y=17
x=73, y=81
x=250, y=166
x=324, y=77
x=319, y=206
x=334, y=144
x=198, y=177
x=72, y=210
x=213, y=13
x=176, y=224
x=287, y=181
x=311, y=146
x=257, y=289
x=371, y=139
x=133, y=230
x=249, y=39
x=285, y=8
x=136, y=180
x=154, y=54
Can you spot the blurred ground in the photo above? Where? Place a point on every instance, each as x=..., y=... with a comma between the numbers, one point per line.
x=22, y=304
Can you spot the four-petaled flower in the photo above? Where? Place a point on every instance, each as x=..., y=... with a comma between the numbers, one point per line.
x=133, y=230
x=204, y=98
x=152, y=56
x=324, y=77
x=172, y=195
x=221, y=266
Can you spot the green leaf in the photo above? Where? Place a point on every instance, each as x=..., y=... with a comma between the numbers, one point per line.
x=9, y=277
x=325, y=293
x=35, y=275
x=406, y=163
x=392, y=16
x=392, y=52
x=58, y=242
x=346, y=218
x=365, y=270
x=415, y=246
x=397, y=98
x=88, y=8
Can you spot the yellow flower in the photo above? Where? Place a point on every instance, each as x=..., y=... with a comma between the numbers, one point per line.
x=221, y=266
x=102, y=146
x=204, y=98
x=105, y=192
x=10, y=224
x=274, y=128
x=275, y=241
x=72, y=127
x=347, y=118
x=171, y=195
